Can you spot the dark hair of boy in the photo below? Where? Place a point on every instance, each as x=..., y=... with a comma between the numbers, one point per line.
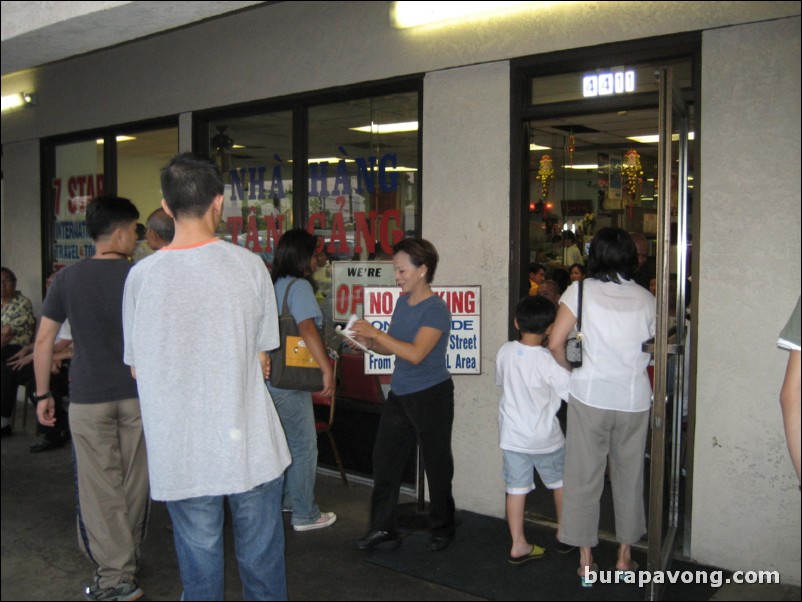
x=104, y=214
x=190, y=184
x=535, y=314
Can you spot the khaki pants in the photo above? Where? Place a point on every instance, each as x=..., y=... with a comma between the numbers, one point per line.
x=593, y=436
x=113, y=492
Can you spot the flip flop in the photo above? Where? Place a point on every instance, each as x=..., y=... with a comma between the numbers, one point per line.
x=633, y=567
x=581, y=572
x=536, y=554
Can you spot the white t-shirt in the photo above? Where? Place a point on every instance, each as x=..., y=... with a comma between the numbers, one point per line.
x=195, y=320
x=573, y=255
x=616, y=320
x=533, y=386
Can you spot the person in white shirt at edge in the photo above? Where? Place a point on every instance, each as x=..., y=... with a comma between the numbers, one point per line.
x=608, y=413
x=209, y=421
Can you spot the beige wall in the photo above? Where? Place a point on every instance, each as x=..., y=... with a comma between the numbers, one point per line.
x=466, y=215
x=746, y=507
x=21, y=228
x=746, y=504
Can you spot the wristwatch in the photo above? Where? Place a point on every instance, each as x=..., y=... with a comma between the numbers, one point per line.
x=37, y=398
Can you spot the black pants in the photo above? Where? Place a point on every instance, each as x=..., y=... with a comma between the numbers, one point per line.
x=13, y=379
x=426, y=417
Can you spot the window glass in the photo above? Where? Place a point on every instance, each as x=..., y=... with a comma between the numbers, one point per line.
x=78, y=179
x=140, y=158
x=254, y=154
x=604, y=82
x=363, y=158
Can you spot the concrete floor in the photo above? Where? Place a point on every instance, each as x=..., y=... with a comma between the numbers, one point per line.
x=41, y=561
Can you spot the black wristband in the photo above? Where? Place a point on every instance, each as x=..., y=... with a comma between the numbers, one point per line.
x=38, y=398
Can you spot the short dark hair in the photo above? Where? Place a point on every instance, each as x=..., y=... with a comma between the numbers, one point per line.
x=536, y=267
x=189, y=184
x=569, y=235
x=562, y=278
x=535, y=314
x=421, y=252
x=9, y=273
x=578, y=266
x=162, y=224
x=612, y=254
x=104, y=214
x=293, y=256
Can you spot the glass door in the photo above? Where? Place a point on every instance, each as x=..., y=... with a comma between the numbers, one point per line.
x=671, y=371
x=624, y=161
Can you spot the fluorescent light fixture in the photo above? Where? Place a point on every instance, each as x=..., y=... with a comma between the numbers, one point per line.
x=118, y=139
x=388, y=128
x=17, y=101
x=578, y=166
x=537, y=147
x=331, y=160
x=654, y=138
x=413, y=14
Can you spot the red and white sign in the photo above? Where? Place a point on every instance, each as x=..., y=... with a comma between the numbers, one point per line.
x=464, y=352
x=348, y=278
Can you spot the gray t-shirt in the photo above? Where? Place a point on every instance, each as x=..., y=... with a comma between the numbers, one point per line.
x=195, y=319
x=90, y=295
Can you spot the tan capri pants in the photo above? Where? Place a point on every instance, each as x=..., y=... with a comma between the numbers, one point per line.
x=593, y=436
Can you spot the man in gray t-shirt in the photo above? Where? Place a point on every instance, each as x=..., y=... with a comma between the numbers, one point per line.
x=199, y=317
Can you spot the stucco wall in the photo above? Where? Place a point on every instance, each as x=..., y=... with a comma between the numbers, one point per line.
x=466, y=215
x=746, y=505
x=293, y=47
x=21, y=229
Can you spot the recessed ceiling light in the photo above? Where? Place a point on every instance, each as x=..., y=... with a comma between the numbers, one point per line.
x=388, y=128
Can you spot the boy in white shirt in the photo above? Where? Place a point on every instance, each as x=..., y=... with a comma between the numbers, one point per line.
x=530, y=435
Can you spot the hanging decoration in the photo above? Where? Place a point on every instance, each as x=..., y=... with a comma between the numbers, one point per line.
x=545, y=174
x=571, y=148
x=633, y=176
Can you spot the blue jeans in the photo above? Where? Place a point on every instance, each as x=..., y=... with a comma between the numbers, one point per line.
x=258, y=539
x=298, y=420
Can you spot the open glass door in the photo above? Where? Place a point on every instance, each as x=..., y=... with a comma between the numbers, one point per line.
x=669, y=406
x=623, y=160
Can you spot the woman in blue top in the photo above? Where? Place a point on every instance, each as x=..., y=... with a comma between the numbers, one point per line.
x=420, y=406
x=294, y=263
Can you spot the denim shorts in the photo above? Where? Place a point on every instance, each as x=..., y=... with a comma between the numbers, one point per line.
x=518, y=466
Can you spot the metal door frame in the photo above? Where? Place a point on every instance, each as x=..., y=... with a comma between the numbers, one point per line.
x=668, y=345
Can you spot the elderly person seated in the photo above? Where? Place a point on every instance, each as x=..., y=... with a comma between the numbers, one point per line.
x=18, y=323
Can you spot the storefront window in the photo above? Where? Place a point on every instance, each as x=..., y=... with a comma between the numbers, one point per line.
x=78, y=179
x=604, y=82
x=86, y=169
x=254, y=154
x=363, y=158
x=140, y=159
x=593, y=163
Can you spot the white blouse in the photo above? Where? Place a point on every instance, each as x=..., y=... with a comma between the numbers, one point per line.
x=616, y=320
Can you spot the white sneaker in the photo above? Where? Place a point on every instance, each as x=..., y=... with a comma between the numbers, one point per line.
x=327, y=519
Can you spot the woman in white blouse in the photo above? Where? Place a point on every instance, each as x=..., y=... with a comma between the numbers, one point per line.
x=608, y=413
